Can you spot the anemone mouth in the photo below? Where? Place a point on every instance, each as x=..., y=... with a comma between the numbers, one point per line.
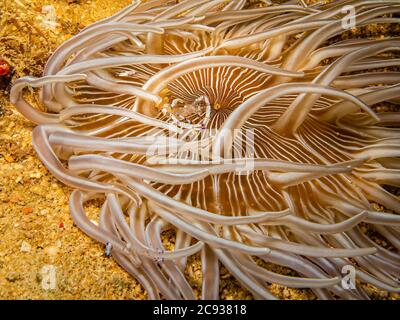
x=247, y=131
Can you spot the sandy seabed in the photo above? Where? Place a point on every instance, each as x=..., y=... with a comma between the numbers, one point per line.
x=38, y=240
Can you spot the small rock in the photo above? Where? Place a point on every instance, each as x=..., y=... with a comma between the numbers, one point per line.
x=36, y=175
x=286, y=293
x=51, y=251
x=25, y=246
x=27, y=210
x=9, y=158
x=12, y=277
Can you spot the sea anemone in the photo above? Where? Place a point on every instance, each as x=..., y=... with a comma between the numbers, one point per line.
x=254, y=134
